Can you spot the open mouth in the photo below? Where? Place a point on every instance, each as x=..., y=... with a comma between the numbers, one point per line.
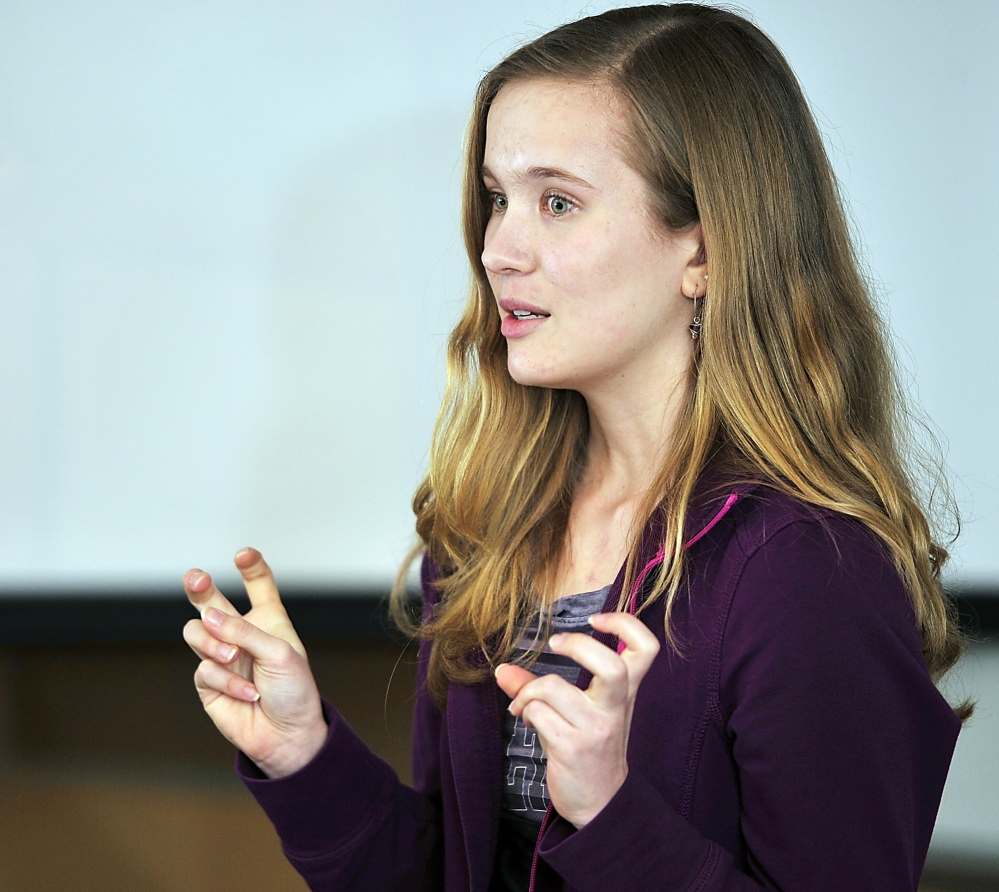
x=527, y=314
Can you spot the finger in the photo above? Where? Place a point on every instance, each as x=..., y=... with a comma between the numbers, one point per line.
x=202, y=593
x=610, y=672
x=257, y=577
x=511, y=678
x=211, y=678
x=207, y=647
x=575, y=707
x=265, y=598
x=547, y=721
x=640, y=644
x=268, y=650
x=638, y=637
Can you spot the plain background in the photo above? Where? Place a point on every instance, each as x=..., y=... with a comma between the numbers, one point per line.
x=229, y=258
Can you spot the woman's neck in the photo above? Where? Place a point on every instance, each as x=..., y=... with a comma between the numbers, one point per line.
x=630, y=435
x=629, y=440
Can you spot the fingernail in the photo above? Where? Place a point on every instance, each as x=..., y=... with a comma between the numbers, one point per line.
x=590, y=619
x=556, y=640
x=195, y=578
x=251, y=693
x=242, y=551
x=213, y=617
x=227, y=652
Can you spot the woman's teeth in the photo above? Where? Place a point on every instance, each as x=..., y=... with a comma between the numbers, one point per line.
x=527, y=314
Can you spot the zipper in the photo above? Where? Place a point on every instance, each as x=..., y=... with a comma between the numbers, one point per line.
x=537, y=845
x=632, y=606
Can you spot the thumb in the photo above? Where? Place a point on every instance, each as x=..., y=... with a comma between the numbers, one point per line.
x=512, y=678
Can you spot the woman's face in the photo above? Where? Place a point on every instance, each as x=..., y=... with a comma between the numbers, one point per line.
x=588, y=288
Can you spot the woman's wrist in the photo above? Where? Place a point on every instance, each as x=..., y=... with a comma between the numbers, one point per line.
x=295, y=754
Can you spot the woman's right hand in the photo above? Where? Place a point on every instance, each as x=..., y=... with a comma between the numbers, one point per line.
x=254, y=678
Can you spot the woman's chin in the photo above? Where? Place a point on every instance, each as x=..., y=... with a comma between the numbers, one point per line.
x=530, y=375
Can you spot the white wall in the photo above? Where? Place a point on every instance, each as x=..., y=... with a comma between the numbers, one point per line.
x=229, y=257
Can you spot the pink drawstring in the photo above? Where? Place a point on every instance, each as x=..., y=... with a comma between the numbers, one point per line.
x=633, y=601
x=658, y=559
x=729, y=502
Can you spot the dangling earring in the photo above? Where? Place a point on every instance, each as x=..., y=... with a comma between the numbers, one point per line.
x=695, y=326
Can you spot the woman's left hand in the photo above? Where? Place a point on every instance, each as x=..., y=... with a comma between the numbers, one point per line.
x=585, y=733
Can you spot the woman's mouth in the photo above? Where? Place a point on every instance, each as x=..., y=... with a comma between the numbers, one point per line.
x=521, y=322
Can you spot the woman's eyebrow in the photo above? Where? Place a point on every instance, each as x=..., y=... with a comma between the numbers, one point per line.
x=542, y=173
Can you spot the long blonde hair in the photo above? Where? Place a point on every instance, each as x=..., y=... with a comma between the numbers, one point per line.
x=792, y=379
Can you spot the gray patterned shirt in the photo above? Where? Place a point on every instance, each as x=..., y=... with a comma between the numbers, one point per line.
x=525, y=791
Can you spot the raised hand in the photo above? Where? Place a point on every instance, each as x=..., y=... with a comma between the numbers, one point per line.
x=585, y=733
x=254, y=678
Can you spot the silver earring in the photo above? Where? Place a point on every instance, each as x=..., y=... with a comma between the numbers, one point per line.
x=695, y=326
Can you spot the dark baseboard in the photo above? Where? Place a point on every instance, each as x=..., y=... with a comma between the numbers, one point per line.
x=32, y=618
x=961, y=872
x=86, y=618
x=979, y=611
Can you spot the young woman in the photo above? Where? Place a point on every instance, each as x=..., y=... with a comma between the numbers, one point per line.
x=670, y=405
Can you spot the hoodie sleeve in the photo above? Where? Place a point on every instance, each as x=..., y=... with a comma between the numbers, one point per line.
x=346, y=821
x=841, y=740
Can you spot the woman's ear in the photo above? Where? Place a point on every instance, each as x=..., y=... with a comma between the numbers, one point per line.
x=695, y=276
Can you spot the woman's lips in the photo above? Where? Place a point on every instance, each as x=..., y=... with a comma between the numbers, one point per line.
x=513, y=327
x=522, y=317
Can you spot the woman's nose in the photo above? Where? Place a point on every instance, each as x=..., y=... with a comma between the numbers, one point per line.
x=507, y=246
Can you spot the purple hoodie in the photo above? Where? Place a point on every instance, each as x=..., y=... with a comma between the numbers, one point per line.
x=797, y=743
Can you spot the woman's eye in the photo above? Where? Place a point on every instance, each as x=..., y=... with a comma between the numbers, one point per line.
x=499, y=201
x=558, y=205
